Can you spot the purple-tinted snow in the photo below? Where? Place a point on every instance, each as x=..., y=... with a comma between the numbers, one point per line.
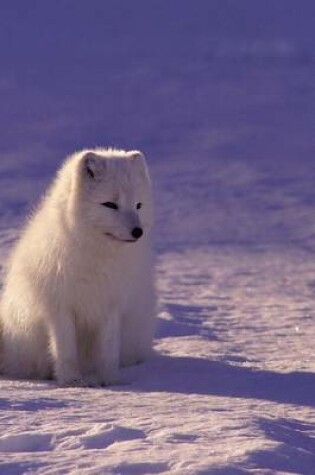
x=220, y=95
x=228, y=86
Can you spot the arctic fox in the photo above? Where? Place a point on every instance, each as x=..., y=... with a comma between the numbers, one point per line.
x=79, y=298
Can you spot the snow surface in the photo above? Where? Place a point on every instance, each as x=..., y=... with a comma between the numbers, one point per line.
x=220, y=95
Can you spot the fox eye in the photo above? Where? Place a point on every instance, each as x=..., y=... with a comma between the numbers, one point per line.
x=139, y=205
x=110, y=204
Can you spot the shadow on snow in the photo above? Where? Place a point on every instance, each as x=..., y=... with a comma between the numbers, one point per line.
x=189, y=375
x=294, y=451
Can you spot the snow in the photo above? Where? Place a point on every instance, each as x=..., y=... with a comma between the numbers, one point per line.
x=221, y=97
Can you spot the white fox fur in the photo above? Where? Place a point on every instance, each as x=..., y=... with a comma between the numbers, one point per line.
x=78, y=298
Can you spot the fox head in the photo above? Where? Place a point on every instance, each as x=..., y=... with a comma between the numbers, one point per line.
x=113, y=194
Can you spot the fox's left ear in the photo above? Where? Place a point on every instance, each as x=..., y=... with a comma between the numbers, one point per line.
x=136, y=155
x=91, y=166
x=139, y=160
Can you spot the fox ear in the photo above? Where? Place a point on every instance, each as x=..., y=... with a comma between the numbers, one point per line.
x=139, y=161
x=92, y=167
x=136, y=155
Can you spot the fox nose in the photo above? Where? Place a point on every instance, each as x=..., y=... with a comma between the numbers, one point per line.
x=137, y=233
